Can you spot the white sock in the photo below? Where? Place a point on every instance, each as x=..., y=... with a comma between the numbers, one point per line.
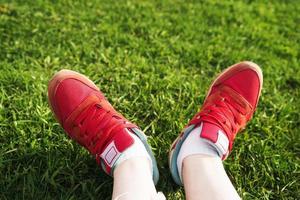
x=194, y=145
x=137, y=149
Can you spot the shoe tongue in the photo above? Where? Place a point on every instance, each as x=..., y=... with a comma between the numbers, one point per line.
x=209, y=131
x=216, y=135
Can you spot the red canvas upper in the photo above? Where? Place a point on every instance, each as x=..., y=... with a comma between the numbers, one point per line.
x=230, y=103
x=69, y=94
x=87, y=116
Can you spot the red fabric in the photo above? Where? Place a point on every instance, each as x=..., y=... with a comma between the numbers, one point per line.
x=69, y=94
x=246, y=83
x=89, y=119
x=221, y=109
x=229, y=105
x=99, y=126
x=210, y=132
x=123, y=140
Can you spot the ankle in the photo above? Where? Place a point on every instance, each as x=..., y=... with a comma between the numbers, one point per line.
x=135, y=155
x=135, y=165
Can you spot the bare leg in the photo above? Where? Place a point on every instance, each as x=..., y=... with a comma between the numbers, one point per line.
x=204, y=177
x=133, y=180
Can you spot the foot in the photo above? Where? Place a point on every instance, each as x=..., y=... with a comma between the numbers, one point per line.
x=228, y=106
x=89, y=119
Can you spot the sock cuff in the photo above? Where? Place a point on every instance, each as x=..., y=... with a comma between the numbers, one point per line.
x=195, y=145
x=137, y=149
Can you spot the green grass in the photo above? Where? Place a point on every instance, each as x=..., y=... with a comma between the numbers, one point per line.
x=154, y=61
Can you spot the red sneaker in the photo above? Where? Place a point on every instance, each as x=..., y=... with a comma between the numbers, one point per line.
x=88, y=118
x=228, y=106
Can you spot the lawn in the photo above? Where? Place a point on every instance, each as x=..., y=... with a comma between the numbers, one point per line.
x=154, y=60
